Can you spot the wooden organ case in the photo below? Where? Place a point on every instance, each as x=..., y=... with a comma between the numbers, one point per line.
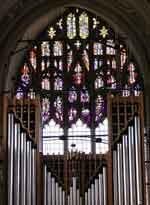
x=117, y=177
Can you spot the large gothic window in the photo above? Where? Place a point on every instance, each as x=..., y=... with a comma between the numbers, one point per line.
x=72, y=65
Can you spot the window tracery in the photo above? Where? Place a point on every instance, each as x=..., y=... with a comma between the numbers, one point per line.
x=73, y=64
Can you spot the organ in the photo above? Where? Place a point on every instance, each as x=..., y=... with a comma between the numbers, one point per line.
x=75, y=178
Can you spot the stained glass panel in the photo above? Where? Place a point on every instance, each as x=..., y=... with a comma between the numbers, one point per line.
x=58, y=106
x=85, y=59
x=84, y=25
x=110, y=49
x=72, y=96
x=99, y=82
x=84, y=97
x=33, y=57
x=45, y=50
x=99, y=108
x=132, y=73
x=58, y=84
x=71, y=26
x=69, y=60
x=58, y=48
x=45, y=84
x=45, y=109
x=25, y=78
x=78, y=77
x=97, y=49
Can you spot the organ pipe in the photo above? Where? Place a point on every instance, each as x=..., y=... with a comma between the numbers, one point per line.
x=89, y=196
x=10, y=157
x=96, y=191
x=126, y=170
x=120, y=177
x=92, y=194
x=23, y=168
x=33, y=165
x=138, y=160
x=105, y=185
x=17, y=164
x=131, y=166
x=115, y=177
x=45, y=185
x=49, y=188
x=74, y=190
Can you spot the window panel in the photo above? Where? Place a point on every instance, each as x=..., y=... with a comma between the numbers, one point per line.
x=73, y=71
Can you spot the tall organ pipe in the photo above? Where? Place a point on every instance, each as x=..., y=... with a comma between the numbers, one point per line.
x=96, y=191
x=78, y=197
x=23, y=169
x=101, y=190
x=33, y=176
x=105, y=185
x=138, y=160
x=92, y=195
x=115, y=177
x=132, y=166
x=120, y=176
x=17, y=164
x=74, y=191
x=45, y=185
x=10, y=157
x=53, y=191
x=49, y=188
x=89, y=196
x=126, y=169
x=28, y=172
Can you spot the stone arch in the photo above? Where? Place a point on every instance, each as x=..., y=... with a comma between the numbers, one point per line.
x=23, y=23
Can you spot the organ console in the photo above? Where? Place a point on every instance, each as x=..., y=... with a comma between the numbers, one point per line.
x=117, y=177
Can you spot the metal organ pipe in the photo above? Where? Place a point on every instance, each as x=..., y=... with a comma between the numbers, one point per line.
x=105, y=185
x=115, y=177
x=138, y=160
x=23, y=169
x=131, y=166
x=86, y=198
x=10, y=157
x=126, y=169
x=120, y=171
x=74, y=191
x=78, y=197
x=33, y=165
x=57, y=194
x=28, y=173
x=101, y=194
x=89, y=196
x=49, y=188
x=53, y=191
x=45, y=185
x=17, y=164
x=96, y=191
x=92, y=194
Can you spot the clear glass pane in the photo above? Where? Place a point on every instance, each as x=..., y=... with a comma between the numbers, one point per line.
x=51, y=141
x=80, y=140
x=101, y=132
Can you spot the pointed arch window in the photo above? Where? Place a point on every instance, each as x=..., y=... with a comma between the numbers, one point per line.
x=73, y=64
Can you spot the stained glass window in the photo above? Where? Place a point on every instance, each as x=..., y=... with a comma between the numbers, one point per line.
x=72, y=65
x=84, y=25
